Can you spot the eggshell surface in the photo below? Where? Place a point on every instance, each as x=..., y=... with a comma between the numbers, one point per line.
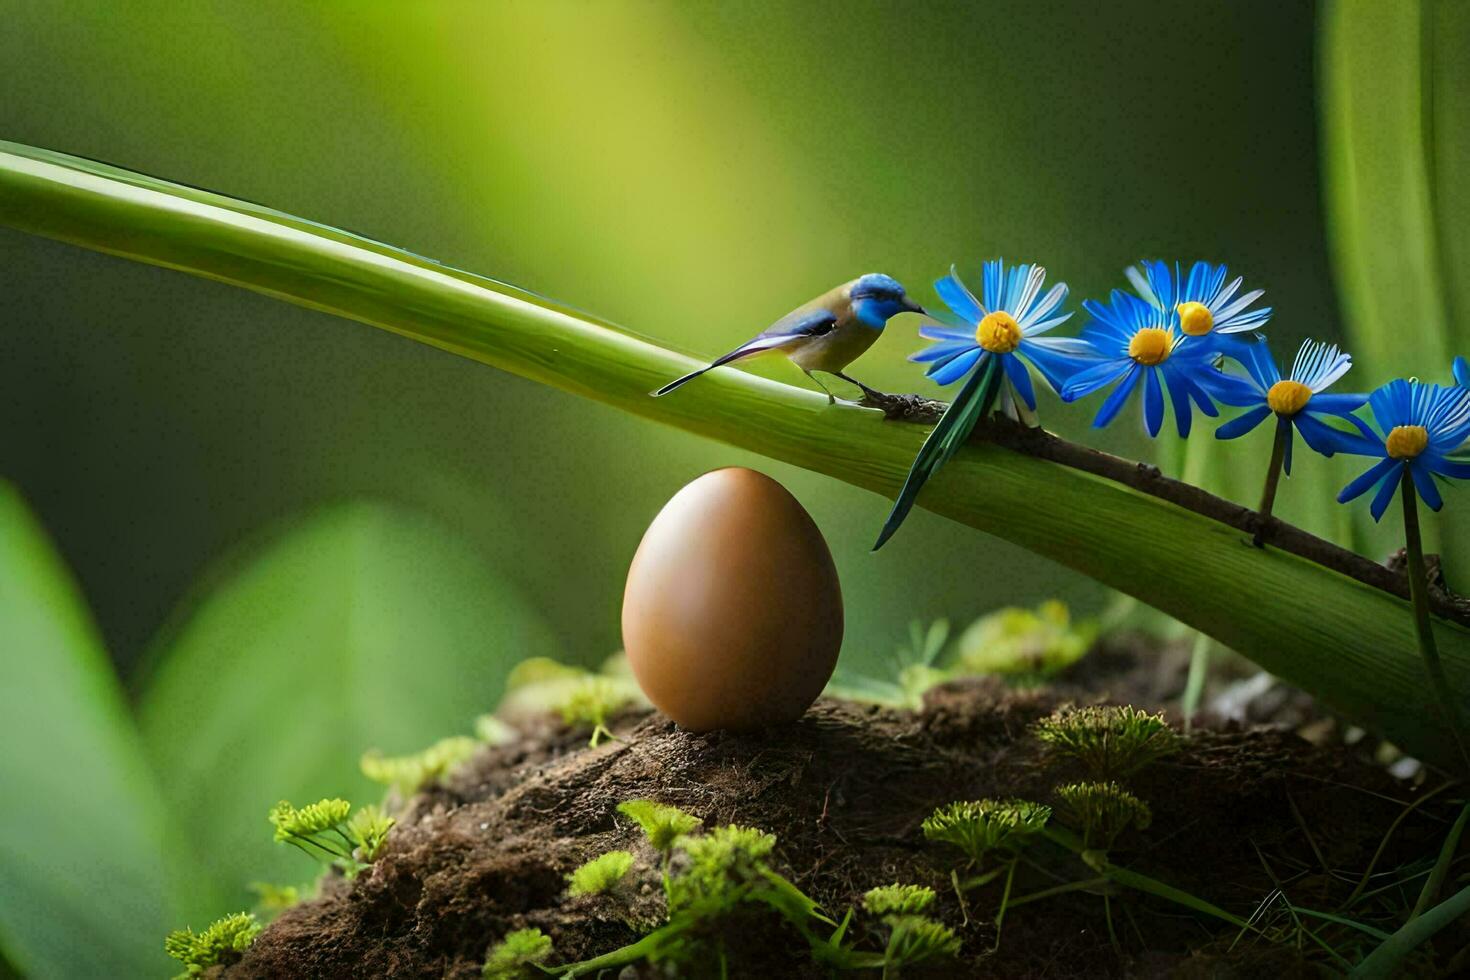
x=732, y=615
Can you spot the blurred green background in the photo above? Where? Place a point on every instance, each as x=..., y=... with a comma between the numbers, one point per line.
x=302, y=537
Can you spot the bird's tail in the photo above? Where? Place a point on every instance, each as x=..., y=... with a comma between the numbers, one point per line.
x=744, y=350
x=679, y=382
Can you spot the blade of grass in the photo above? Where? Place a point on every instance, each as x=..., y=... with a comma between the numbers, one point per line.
x=1340, y=637
x=1384, y=962
x=1430, y=893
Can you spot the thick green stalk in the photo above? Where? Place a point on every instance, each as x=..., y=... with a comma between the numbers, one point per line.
x=1423, y=623
x=1337, y=636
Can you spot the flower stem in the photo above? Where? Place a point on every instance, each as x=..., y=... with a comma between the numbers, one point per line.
x=1419, y=593
x=1273, y=478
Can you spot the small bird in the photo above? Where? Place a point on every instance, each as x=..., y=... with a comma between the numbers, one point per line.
x=827, y=334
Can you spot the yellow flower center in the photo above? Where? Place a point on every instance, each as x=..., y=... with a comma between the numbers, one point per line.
x=1195, y=319
x=1151, y=345
x=1288, y=397
x=998, y=333
x=1407, y=441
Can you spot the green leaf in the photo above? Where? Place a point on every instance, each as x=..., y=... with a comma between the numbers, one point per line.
x=82, y=878
x=1350, y=643
x=360, y=627
x=1396, y=160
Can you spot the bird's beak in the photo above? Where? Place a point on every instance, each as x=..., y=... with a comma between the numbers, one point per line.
x=912, y=307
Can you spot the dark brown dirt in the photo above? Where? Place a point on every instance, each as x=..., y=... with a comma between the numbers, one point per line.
x=1240, y=816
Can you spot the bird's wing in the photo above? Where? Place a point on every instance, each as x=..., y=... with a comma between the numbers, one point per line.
x=798, y=325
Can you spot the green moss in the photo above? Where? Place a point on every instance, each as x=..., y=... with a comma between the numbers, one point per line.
x=979, y=826
x=369, y=827
x=221, y=943
x=915, y=939
x=407, y=774
x=328, y=831
x=661, y=823
x=898, y=899
x=1023, y=644
x=1110, y=742
x=1102, y=811
x=599, y=874
x=517, y=955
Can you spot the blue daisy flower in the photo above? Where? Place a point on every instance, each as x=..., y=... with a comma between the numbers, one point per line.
x=1207, y=306
x=1006, y=327
x=1298, y=400
x=991, y=352
x=1422, y=425
x=1136, y=342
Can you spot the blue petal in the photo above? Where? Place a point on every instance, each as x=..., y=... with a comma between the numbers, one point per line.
x=1457, y=468
x=952, y=371
x=938, y=352
x=1178, y=386
x=1153, y=402
x=1231, y=389
x=1329, y=440
x=1021, y=378
x=1239, y=426
x=1366, y=479
x=1116, y=400
x=1055, y=359
x=1386, y=490
x=1339, y=404
x=1462, y=372
x=1091, y=379
x=1424, y=480
x=934, y=331
x=958, y=298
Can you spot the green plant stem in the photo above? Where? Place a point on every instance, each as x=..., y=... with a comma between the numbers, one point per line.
x=1311, y=613
x=1424, y=627
x=1384, y=962
x=1429, y=894
x=1005, y=897
x=1273, y=479
x=1139, y=882
x=970, y=884
x=1052, y=892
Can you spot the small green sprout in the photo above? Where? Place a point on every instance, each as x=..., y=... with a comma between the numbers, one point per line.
x=310, y=820
x=541, y=685
x=221, y=944
x=328, y=831
x=492, y=731
x=369, y=826
x=914, y=672
x=516, y=956
x=1110, y=742
x=1025, y=645
x=271, y=900
x=590, y=701
x=599, y=874
x=898, y=899
x=721, y=870
x=979, y=826
x=407, y=774
x=1103, y=811
x=661, y=823
x=916, y=939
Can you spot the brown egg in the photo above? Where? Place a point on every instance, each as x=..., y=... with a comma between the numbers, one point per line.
x=732, y=617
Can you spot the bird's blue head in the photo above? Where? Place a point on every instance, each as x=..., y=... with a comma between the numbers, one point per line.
x=876, y=297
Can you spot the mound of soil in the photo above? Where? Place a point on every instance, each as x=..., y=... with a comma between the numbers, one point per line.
x=1247, y=818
